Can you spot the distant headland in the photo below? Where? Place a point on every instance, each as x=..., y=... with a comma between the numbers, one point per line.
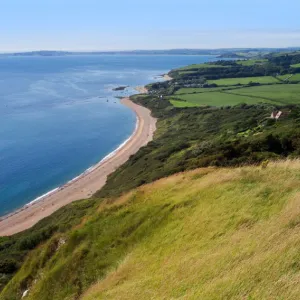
x=223, y=52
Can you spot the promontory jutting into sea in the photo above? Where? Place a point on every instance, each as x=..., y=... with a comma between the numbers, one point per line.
x=60, y=115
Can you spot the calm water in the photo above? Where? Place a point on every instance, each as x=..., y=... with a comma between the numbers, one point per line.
x=58, y=116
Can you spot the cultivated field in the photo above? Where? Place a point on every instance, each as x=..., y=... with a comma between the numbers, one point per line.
x=290, y=77
x=278, y=94
x=214, y=99
x=201, y=66
x=252, y=62
x=198, y=90
x=182, y=104
x=246, y=80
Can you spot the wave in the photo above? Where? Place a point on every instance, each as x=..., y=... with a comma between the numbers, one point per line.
x=87, y=171
x=42, y=197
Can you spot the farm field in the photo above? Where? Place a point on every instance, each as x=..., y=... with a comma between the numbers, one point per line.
x=186, y=72
x=246, y=80
x=198, y=90
x=214, y=99
x=295, y=66
x=284, y=77
x=278, y=94
x=201, y=66
x=251, y=62
x=294, y=78
x=182, y=104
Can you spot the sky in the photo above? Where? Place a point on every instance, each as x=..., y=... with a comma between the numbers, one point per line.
x=89, y=25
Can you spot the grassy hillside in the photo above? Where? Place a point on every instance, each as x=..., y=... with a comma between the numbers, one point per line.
x=214, y=233
x=206, y=234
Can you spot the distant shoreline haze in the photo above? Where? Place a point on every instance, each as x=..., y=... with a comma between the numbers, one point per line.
x=221, y=51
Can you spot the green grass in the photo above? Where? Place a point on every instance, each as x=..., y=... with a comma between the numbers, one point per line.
x=186, y=72
x=295, y=66
x=278, y=94
x=201, y=66
x=216, y=99
x=182, y=104
x=206, y=234
x=294, y=78
x=246, y=80
x=281, y=94
x=197, y=90
x=252, y=62
x=284, y=77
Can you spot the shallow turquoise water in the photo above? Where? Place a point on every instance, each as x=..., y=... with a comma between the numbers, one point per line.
x=58, y=116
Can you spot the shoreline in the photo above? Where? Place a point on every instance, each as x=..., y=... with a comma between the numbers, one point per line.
x=141, y=89
x=167, y=77
x=87, y=183
x=84, y=173
x=81, y=175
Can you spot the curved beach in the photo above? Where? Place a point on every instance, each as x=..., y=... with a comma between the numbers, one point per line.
x=89, y=182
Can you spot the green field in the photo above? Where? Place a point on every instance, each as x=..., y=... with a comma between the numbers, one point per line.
x=182, y=104
x=198, y=90
x=246, y=80
x=284, y=77
x=295, y=66
x=201, y=66
x=186, y=72
x=214, y=99
x=252, y=62
x=279, y=94
x=294, y=78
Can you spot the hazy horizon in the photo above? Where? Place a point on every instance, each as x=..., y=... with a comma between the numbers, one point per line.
x=137, y=50
x=91, y=25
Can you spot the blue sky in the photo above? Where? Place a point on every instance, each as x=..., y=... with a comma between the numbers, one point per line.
x=130, y=24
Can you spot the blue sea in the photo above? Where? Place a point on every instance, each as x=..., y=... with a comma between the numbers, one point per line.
x=59, y=116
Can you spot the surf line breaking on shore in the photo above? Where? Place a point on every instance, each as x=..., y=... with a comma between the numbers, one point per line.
x=83, y=174
x=90, y=169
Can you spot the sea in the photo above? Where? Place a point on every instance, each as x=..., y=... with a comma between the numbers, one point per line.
x=59, y=116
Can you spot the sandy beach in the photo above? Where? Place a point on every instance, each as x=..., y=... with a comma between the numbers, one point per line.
x=85, y=185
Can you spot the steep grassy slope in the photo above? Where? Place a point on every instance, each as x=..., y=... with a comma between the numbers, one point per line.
x=185, y=139
x=205, y=234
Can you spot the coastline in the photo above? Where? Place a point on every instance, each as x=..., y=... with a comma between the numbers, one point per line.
x=86, y=184
x=167, y=77
x=141, y=89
